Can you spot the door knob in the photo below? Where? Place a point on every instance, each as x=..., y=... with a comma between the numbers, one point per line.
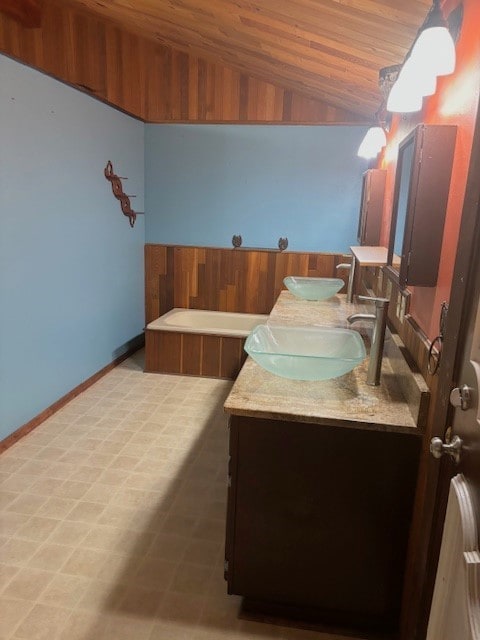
x=453, y=449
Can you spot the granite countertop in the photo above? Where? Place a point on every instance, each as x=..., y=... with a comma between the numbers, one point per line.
x=345, y=401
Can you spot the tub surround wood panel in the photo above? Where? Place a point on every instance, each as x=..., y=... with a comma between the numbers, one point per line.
x=239, y=280
x=193, y=354
x=150, y=81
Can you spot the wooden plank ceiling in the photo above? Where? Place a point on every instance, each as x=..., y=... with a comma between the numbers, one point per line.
x=328, y=50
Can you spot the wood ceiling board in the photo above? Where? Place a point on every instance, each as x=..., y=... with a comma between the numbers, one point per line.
x=26, y=12
x=330, y=50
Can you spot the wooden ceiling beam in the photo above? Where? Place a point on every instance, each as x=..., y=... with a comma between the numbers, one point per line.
x=27, y=12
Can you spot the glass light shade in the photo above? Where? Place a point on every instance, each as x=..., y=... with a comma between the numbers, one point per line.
x=417, y=78
x=372, y=143
x=434, y=51
x=404, y=98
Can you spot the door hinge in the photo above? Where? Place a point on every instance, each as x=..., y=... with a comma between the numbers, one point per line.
x=225, y=566
x=460, y=397
x=229, y=481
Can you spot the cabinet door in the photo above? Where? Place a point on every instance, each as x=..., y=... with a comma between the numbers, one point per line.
x=319, y=519
x=422, y=186
x=371, y=209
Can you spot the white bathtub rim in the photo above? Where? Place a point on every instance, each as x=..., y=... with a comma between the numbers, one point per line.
x=169, y=322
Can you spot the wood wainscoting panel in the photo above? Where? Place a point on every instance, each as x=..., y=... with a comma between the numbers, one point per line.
x=238, y=280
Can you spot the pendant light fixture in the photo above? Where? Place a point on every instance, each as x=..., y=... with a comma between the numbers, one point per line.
x=434, y=49
x=432, y=55
x=372, y=143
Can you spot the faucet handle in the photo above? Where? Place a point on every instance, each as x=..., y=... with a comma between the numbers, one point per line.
x=379, y=302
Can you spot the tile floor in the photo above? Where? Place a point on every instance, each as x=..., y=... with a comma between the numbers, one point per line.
x=112, y=518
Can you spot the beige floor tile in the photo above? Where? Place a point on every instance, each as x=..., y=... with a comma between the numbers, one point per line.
x=34, y=468
x=45, y=486
x=86, y=473
x=28, y=584
x=96, y=459
x=84, y=625
x=17, y=551
x=26, y=503
x=118, y=516
x=124, y=463
x=117, y=569
x=71, y=489
x=13, y=612
x=181, y=607
x=65, y=591
x=155, y=573
x=37, y=528
x=83, y=562
x=7, y=571
x=42, y=623
x=60, y=470
x=139, y=601
x=221, y=612
x=86, y=512
x=17, y=482
x=191, y=579
x=56, y=508
x=168, y=547
x=102, y=537
x=133, y=543
x=180, y=525
x=70, y=533
x=210, y=529
x=11, y=522
x=51, y=453
x=126, y=627
x=203, y=552
x=50, y=556
x=172, y=631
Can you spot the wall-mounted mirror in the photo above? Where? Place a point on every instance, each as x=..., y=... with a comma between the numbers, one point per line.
x=371, y=207
x=422, y=184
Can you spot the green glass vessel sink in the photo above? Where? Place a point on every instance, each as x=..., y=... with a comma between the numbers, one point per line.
x=305, y=353
x=313, y=288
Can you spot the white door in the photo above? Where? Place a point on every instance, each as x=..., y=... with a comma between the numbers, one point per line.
x=455, y=612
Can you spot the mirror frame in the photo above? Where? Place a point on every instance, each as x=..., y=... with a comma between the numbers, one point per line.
x=410, y=139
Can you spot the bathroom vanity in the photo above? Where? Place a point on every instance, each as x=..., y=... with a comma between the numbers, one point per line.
x=321, y=483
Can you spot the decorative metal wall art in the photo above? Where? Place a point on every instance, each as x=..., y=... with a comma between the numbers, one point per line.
x=117, y=189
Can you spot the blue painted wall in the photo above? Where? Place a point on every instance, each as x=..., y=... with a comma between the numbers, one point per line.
x=204, y=183
x=71, y=268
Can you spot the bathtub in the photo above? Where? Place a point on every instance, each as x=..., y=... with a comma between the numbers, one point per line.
x=198, y=342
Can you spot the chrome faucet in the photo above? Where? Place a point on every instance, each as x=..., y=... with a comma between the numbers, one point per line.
x=378, y=336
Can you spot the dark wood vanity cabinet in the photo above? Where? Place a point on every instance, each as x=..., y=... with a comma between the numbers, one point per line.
x=318, y=520
x=371, y=207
